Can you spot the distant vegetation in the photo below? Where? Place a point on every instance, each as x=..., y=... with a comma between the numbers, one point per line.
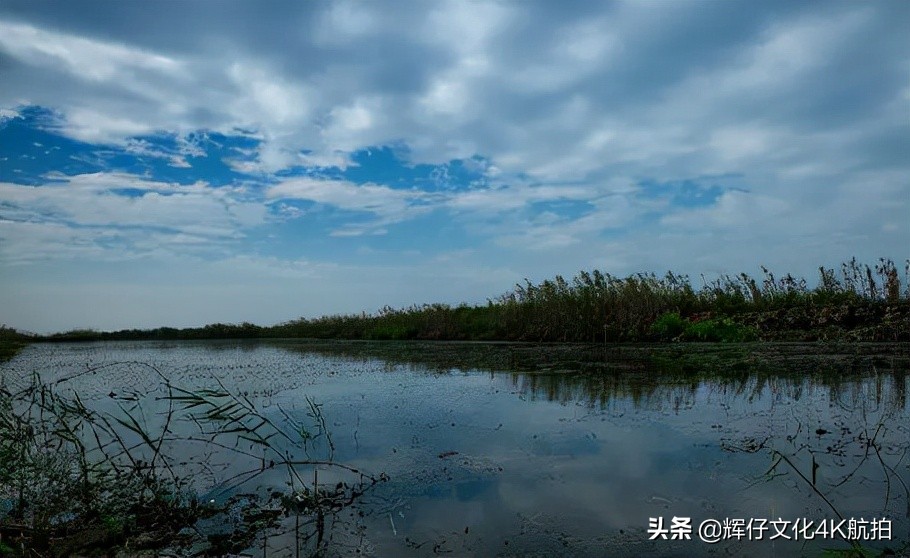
x=11, y=342
x=856, y=302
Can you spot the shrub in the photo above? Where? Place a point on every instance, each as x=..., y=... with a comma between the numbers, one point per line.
x=668, y=326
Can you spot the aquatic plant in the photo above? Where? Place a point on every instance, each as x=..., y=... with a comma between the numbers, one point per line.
x=75, y=479
x=868, y=452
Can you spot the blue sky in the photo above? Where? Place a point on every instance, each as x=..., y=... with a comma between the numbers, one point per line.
x=178, y=164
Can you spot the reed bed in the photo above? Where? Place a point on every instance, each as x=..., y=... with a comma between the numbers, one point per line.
x=855, y=302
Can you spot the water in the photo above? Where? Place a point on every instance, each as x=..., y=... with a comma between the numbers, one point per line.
x=484, y=461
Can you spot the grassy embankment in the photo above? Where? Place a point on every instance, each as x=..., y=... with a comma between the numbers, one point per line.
x=854, y=303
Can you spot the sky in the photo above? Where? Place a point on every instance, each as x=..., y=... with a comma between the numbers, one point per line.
x=177, y=164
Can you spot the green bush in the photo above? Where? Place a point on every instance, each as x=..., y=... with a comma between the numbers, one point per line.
x=668, y=326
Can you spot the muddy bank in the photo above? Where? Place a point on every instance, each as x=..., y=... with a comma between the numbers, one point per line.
x=843, y=322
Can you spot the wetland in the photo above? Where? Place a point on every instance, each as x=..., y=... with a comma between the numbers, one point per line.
x=331, y=448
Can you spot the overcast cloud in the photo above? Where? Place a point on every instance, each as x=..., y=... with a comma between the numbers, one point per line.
x=183, y=163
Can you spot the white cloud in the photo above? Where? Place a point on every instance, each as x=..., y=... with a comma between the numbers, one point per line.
x=8, y=114
x=346, y=21
x=338, y=159
x=732, y=144
x=541, y=107
x=145, y=148
x=353, y=126
x=466, y=27
x=96, y=126
x=507, y=198
x=70, y=215
x=268, y=99
x=26, y=242
x=577, y=52
x=387, y=204
x=734, y=209
x=82, y=58
x=448, y=95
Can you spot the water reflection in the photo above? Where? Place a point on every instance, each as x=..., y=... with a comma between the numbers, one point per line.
x=489, y=453
x=655, y=390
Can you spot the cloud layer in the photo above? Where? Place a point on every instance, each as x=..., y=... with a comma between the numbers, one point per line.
x=525, y=139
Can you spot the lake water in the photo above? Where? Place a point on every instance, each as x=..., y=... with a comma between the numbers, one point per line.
x=474, y=459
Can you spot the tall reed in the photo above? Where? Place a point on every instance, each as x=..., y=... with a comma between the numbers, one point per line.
x=855, y=301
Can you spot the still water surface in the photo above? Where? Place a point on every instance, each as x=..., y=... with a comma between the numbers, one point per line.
x=484, y=461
